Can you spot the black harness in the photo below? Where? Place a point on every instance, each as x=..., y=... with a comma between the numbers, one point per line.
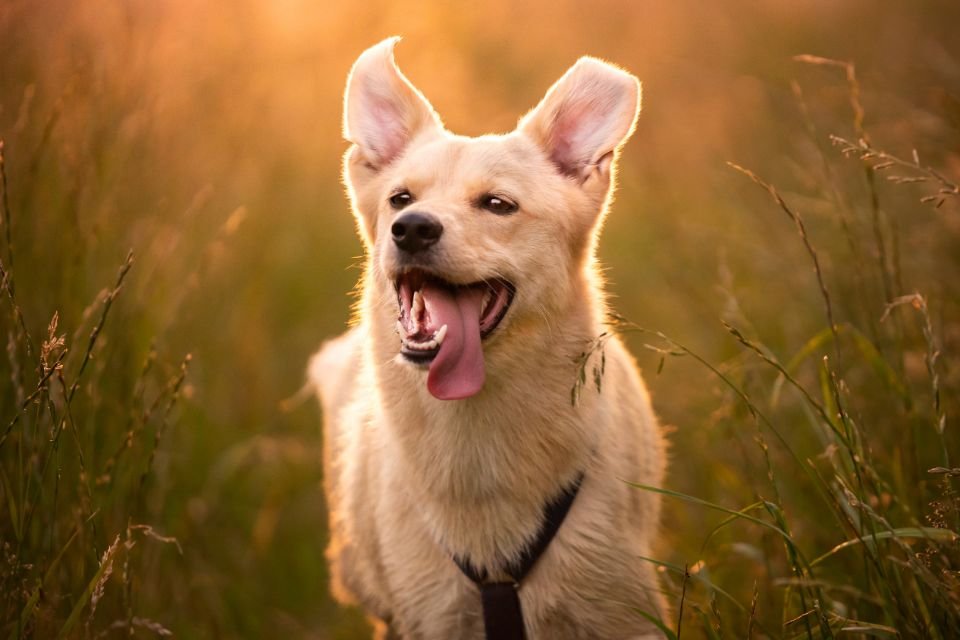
x=502, y=617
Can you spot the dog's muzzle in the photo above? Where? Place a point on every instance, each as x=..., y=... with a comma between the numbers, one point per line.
x=442, y=325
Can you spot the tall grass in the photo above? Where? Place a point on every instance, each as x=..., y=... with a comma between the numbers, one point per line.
x=73, y=516
x=850, y=528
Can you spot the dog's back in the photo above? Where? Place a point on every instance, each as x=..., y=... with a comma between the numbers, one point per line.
x=333, y=370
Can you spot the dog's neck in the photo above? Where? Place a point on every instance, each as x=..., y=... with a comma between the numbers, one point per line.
x=489, y=463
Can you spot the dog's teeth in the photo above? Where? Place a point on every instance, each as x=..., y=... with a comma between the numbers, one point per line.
x=416, y=310
x=486, y=299
x=417, y=306
x=421, y=346
x=429, y=345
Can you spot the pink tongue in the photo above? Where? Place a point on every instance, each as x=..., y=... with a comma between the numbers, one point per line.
x=457, y=370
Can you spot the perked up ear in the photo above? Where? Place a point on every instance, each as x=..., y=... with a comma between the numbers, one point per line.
x=382, y=111
x=585, y=117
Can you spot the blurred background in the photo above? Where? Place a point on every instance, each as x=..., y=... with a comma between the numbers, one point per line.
x=204, y=137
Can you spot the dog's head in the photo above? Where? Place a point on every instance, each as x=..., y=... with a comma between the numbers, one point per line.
x=471, y=236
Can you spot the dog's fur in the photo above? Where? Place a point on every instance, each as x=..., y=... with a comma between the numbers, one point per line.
x=411, y=479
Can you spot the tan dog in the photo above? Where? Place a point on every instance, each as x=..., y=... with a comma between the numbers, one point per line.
x=449, y=429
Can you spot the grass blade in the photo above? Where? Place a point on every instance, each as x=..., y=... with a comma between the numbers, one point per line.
x=28, y=609
x=106, y=563
x=664, y=629
x=717, y=507
x=926, y=533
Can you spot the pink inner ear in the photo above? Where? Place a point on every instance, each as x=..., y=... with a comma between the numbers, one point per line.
x=570, y=133
x=384, y=132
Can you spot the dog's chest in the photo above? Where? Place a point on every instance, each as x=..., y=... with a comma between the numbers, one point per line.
x=433, y=599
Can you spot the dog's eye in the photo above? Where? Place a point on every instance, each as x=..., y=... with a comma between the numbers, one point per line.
x=400, y=199
x=498, y=204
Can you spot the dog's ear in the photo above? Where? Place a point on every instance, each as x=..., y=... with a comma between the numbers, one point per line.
x=585, y=117
x=382, y=111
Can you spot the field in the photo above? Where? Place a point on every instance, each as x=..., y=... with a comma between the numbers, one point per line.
x=783, y=256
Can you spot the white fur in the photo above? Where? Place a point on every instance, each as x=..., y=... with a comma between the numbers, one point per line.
x=412, y=479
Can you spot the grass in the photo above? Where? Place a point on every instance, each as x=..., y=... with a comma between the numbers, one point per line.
x=174, y=246
x=52, y=538
x=882, y=557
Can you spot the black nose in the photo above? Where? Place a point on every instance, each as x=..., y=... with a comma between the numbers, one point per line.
x=413, y=232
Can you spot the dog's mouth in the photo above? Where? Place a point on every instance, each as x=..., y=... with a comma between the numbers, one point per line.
x=442, y=325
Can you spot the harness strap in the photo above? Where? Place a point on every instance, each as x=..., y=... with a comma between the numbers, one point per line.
x=502, y=616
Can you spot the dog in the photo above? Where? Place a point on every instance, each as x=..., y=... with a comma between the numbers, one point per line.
x=449, y=425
